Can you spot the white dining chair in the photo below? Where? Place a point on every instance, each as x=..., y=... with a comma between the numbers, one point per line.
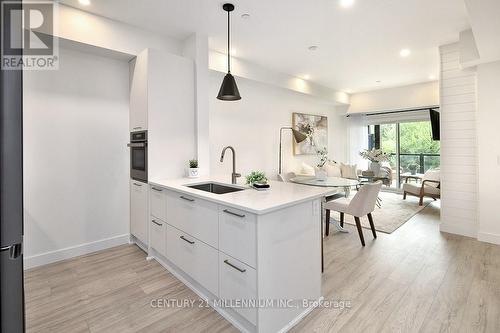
x=363, y=203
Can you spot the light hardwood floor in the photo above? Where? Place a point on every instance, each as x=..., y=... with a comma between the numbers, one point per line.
x=413, y=280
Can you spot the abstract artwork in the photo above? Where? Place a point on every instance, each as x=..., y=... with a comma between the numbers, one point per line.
x=316, y=129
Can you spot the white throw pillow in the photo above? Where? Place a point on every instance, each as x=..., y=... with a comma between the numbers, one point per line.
x=348, y=171
x=333, y=170
x=307, y=169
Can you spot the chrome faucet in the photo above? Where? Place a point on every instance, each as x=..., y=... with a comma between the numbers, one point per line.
x=234, y=175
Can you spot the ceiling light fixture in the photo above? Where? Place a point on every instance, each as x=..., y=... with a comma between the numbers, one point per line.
x=245, y=16
x=306, y=76
x=346, y=3
x=228, y=90
x=312, y=48
x=432, y=77
x=84, y=2
x=404, y=52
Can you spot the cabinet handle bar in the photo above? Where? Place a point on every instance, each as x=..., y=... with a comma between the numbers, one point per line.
x=187, y=240
x=233, y=213
x=241, y=270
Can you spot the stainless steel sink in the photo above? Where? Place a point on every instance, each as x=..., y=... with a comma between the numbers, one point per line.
x=215, y=188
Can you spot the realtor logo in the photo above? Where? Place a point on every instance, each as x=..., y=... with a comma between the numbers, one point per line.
x=27, y=38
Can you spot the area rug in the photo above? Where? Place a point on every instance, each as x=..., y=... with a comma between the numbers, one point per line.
x=393, y=212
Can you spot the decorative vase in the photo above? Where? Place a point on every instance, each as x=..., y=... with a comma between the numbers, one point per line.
x=193, y=173
x=320, y=173
x=375, y=167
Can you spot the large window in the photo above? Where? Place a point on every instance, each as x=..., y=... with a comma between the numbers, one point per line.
x=410, y=144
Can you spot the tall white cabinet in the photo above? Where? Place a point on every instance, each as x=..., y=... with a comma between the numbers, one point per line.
x=162, y=101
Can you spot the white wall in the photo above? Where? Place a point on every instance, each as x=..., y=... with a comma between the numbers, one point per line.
x=398, y=98
x=76, y=163
x=488, y=135
x=252, y=125
x=458, y=145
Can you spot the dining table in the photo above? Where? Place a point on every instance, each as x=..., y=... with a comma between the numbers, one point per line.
x=343, y=186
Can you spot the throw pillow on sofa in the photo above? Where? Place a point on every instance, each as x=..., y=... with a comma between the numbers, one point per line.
x=349, y=171
x=333, y=170
x=307, y=169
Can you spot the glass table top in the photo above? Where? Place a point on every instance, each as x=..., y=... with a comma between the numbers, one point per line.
x=328, y=182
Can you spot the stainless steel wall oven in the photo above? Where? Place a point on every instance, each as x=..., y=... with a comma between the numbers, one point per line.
x=139, y=155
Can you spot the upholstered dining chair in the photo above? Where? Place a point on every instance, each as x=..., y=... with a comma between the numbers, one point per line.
x=430, y=187
x=363, y=203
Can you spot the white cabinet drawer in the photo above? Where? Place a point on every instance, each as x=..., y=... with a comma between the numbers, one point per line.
x=158, y=203
x=194, y=216
x=238, y=282
x=158, y=237
x=194, y=257
x=237, y=234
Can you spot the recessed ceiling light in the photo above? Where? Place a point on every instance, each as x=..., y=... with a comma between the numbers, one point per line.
x=378, y=81
x=348, y=91
x=306, y=76
x=432, y=77
x=404, y=52
x=312, y=48
x=245, y=16
x=84, y=2
x=346, y=3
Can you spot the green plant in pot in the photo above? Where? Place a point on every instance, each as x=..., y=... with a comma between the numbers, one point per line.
x=258, y=177
x=193, y=169
x=413, y=168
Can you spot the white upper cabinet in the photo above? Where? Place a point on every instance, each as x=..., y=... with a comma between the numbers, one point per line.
x=139, y=92
x=171, y=115
x=162, y=100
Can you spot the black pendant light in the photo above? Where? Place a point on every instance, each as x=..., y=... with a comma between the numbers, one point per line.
x=228, y=90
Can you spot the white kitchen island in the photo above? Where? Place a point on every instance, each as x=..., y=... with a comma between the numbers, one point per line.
x=254, y=256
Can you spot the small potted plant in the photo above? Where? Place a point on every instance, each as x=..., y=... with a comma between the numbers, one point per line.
x=256, y=177
x=413, y=168
x=320, y=171
x=193, y=169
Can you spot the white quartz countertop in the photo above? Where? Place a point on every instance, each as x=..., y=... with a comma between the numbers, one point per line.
x=279, y=196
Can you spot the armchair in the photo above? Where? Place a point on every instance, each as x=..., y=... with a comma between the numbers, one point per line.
x=430, y=187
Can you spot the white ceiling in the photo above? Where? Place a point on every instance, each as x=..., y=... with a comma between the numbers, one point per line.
x=356, y=46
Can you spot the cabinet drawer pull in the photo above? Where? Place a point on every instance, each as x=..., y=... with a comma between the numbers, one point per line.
x=137, y=184
x=188, y=199
x=158, y=224
x=187, y=240
x=233, y=213
x=157, y=189
x=242, y=270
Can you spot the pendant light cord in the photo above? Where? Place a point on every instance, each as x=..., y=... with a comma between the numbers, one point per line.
x=228, y=43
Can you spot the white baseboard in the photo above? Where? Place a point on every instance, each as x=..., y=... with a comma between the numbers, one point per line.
x=488, y=238
x=468, y=231
x=74, y=251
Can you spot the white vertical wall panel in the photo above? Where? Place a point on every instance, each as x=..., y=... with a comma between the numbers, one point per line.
x=458, y=145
